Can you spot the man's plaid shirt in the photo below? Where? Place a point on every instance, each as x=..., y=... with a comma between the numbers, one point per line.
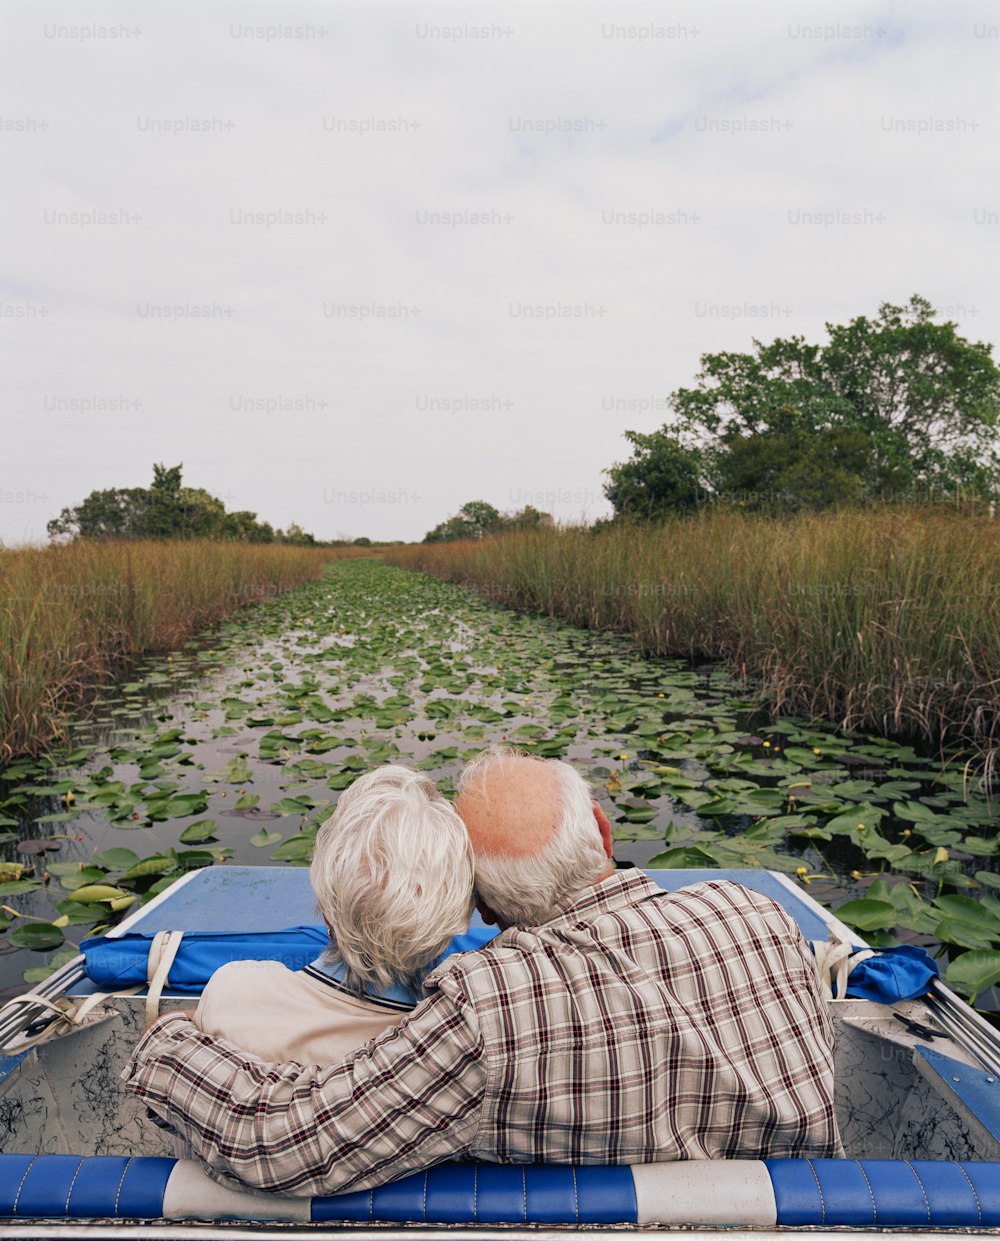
x=638, y=1026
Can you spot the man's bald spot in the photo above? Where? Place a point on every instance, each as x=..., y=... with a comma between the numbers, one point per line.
x=513, y=809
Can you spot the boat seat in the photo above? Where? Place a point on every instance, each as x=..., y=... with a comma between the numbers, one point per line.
x=785, y=1192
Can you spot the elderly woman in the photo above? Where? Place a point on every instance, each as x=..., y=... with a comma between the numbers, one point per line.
x=392, y=873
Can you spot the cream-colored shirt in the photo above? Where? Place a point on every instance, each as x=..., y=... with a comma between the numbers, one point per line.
x=279, y=1014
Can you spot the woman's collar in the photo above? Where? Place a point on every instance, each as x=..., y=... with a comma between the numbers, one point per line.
x=396, y=997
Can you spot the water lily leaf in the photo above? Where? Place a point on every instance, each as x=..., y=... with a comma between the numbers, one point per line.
x=933, y=866
x=673, y=779
x=76, y=756
x=175, y=805
x=263, y=838
x=115, y=859
x=637, y=813
x=298, y=849
x=897, y=788
x=75, y=913
x=758, y=859
x=974, y=972
x=798, y=754
x=851, y=817
x=913, y=812
x=867, y=915
x=852, y=789
x=98, y=893
x=979, y=847
x=18, y=887
x=291, y=805
x=196, y=833
x=899, y=894
x=237, y=770
x=193, y=859
x=686, y=857
x=41, y=972
x=876, y=847
x=158, y=864
x=340, y=779
x=38, y=936
x=966, y=922
x=637, y=831
x=714, y=806
x=796, y=824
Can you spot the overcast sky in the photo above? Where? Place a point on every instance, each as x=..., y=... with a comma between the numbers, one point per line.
x=354, y=264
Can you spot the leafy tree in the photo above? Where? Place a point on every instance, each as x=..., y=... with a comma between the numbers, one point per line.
x=925, y=399
x=890, y=406
x=929, y=398
x=528, y=518
x=476, y=519
x=295, y=534
x=781, y=471
x=114, y=513
x=663, y=476
x=482, y=518
x=243, y=525
x=449, y=531
x=165, y=510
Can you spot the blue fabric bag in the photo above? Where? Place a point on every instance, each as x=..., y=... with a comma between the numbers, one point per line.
x=116, y=962
x=901, y=973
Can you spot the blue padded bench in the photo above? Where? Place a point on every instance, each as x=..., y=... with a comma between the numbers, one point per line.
x=878, y=1193
x=785, y=1192
x=96, y=1186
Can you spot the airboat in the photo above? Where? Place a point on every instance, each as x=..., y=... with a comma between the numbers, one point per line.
x=918, y=1100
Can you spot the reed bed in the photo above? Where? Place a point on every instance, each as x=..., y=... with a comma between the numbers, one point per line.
x=72, y=616
x=885, y=621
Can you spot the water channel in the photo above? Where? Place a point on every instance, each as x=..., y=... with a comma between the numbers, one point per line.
x=234, y=749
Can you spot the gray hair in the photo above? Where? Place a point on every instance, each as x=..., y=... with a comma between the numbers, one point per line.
x=530, y=890
x=392, y=872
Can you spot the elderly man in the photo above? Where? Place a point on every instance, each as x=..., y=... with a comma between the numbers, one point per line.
x=610, y=1023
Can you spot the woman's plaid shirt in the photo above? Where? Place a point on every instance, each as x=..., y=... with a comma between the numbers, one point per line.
x=637, y=1027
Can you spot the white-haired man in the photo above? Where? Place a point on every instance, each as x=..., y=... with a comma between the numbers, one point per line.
x=392, y=875
x=618, y=1024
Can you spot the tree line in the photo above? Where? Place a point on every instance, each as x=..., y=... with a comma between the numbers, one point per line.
x=897, y=407
x=891, y=408
x=167, y=510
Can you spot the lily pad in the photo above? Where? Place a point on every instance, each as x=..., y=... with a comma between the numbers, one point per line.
x=263, y=838
x=38, y=936
x=686, y=857
x=973, y=972
x=867, y=915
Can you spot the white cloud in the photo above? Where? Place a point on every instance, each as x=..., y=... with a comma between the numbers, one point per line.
x=460, y=304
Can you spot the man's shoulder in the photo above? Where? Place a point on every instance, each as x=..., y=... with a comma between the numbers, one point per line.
x=731, y=897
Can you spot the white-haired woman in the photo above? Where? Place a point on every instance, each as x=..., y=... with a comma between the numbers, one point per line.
x=392, y=872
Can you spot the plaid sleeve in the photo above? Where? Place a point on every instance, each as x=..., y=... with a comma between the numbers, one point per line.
x=411, y=1098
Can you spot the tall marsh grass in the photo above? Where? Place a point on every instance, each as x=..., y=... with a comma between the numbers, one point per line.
x=71, y=616
x=885, y=620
